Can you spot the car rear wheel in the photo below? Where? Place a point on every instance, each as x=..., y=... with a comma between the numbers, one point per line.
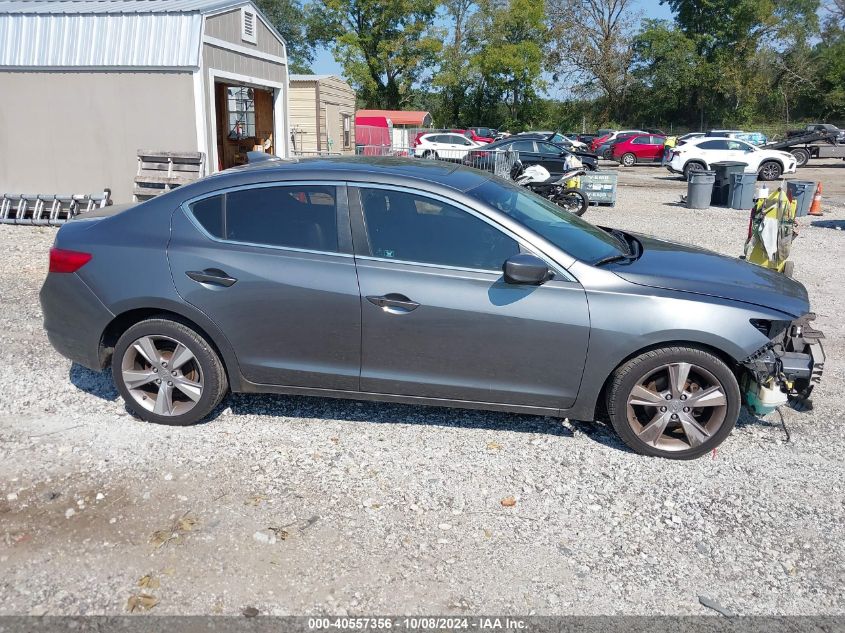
x=167, y=373
x=430, y=154
x=673, y=402
x=629, y=160
x=692, y=167
x=770, y=170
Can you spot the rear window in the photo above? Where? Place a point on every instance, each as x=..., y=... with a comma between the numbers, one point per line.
x=296, y=216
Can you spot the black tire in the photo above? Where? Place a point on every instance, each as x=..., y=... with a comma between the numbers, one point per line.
x=628, y=160
x=802, y=156
x=770, y=170
x=693, y=166
x=204, y=363
x=674, y=441
x=573, y=200
x=432, y=155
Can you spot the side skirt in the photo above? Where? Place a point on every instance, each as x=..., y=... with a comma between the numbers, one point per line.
x=251, y=387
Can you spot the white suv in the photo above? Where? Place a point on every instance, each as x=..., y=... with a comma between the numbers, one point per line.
x=445, y=145
x=698, y=154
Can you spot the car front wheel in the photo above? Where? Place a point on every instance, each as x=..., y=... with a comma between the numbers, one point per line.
x=770, y=170
x=628, y=160
x=167, y=373
x=674, y=402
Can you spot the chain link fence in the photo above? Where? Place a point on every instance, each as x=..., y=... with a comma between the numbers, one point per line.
x=498, y=161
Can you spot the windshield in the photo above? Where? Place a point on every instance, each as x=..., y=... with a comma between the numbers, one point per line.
x=565, y=230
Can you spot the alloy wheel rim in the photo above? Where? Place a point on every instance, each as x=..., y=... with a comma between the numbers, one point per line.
x=677, y=407
x=770, y=172
x=629, y=160
x=162, y=375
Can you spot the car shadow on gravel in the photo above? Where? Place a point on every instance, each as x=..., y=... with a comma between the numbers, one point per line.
x=308, y=407
x=100, y=384
x=97, y=383
x=838, y=225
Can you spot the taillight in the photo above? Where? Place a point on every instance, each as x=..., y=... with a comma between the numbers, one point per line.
x=65, y=261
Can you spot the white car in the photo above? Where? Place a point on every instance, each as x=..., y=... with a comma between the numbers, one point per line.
x=445, y=146
x=698, y=154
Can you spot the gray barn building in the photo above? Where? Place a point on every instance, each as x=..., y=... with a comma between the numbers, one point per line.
x=85, y=84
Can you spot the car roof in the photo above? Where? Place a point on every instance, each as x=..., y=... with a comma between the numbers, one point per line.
x=375, y=169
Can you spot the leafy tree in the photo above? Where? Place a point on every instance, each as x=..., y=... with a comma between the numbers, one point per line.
x=592, y=47
x=455, y=74
x=289, y=19
x=510, y=60
x=384, y=46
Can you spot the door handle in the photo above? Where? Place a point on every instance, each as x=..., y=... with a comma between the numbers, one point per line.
x=213, y=276
x=394, y=303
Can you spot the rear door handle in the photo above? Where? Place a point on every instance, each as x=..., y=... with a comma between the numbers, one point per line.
x=393, y=302
x=213, y=276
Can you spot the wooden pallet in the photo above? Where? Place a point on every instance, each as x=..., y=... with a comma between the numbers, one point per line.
x=160, y=172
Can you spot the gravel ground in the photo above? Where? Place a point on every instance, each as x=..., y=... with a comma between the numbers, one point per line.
x=307, y=506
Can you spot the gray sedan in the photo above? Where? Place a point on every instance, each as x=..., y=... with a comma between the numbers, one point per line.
x=427, y=283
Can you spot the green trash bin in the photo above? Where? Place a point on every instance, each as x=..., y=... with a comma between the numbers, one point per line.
x=741, y=194
x=722, y=187
x=802, y=191
x=700, y=189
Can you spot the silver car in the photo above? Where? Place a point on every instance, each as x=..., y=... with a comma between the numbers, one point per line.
x=421, y=282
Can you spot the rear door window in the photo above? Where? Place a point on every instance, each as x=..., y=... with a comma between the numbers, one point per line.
x=523, y=146
x=292, y=216
x=720, y=144
x=415, y=228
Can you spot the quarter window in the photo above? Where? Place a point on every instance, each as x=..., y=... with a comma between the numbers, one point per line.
x=291, y=216
x=414, y=228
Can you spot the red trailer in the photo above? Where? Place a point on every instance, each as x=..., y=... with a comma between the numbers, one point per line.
x=373, y=135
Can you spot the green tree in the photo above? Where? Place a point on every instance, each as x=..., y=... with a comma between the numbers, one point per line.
x=289, y=19
x=384, y=46
x=455, y=74
x=510, y=59
x=592, y=48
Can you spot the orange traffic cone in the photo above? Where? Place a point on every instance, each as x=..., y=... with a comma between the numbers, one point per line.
x=816, y=207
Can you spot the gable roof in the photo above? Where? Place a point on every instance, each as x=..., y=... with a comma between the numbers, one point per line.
x=79, y=34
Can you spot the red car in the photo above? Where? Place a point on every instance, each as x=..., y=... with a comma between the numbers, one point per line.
x=642, y=148
x=471, y=134
x=594, y=144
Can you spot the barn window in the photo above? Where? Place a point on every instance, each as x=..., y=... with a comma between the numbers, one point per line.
x=248, y=25
x=241, y=112
x=347, y=131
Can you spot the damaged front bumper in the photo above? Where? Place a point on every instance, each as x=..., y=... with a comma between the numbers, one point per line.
x=787, y=368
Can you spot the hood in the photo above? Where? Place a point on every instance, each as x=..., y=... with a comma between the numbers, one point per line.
x=674, y=266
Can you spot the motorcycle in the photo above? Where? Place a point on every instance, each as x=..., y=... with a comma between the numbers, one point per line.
x=555, y=188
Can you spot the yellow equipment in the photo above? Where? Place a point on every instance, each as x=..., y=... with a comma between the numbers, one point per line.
x=771, y=231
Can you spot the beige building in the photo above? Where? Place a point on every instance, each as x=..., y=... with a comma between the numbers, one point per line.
x=322, y=115
x=85, y=84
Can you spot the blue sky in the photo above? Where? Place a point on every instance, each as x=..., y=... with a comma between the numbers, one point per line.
x=324, y=63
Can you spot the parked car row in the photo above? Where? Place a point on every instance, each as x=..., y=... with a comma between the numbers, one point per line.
x=695, y=151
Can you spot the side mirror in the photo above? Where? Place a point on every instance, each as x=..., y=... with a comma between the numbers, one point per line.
x=526, y=269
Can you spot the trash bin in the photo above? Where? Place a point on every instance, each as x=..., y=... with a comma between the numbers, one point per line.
x=700, y=189
x=741, y=194
x=802, y=191
x=721, y=189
